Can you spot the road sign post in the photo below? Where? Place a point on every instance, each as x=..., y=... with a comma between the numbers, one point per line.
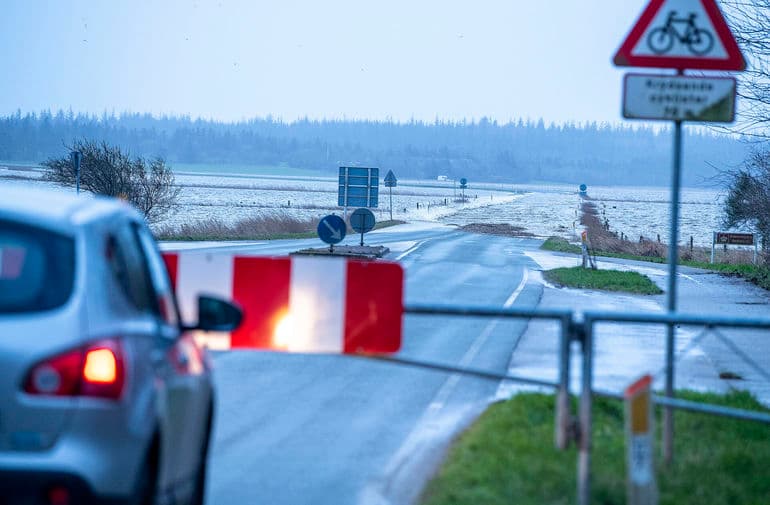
x=390, y=183
x=679, y=35
x=362, y=221
x=463, y=185
x=673, y=257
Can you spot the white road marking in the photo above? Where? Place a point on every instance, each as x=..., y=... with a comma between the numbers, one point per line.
x=430, y=426
x=690, y=278
x=446, y=390
x=410, y=250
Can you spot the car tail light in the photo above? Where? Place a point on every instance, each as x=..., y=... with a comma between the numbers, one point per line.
x=97, y=370
x=59, y=495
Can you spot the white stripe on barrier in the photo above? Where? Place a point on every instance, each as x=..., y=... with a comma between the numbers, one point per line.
x=317, y=304
x=207, y=274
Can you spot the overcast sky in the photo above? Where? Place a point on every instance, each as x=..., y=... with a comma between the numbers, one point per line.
x=229, y=60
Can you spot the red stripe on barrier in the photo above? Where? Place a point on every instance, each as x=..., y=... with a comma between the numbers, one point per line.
x=261, y=286
x=172, y=265
x=373, y=307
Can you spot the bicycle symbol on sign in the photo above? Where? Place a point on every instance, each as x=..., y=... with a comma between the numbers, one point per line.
x=698, y=41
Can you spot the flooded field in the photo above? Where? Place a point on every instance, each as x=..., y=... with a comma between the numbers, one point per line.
x=543, y=210
x=635, y=212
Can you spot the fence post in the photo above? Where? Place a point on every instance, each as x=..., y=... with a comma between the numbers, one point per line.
x=563, y=415
x=584, y=446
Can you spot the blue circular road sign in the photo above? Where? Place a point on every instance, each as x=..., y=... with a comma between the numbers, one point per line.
x=362, y=220
x=332, y=229
x=583, y=188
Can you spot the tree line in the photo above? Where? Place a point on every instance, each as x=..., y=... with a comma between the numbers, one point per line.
x=484, y=150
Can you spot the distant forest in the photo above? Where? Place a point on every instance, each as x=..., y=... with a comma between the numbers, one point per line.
x=484, y=150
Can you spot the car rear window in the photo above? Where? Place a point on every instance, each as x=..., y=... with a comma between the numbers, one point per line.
x=37, y=268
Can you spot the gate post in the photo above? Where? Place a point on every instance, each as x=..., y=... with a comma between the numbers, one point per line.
x=584, y=445
x=563, y=424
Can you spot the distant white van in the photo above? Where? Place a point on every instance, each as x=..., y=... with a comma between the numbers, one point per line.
x=441, y=178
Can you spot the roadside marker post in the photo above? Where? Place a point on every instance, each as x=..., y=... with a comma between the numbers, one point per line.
x=679, y=35
x=303, y=304
x=640, y=468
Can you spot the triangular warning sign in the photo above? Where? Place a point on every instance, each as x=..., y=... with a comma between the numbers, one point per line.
x=681, y=34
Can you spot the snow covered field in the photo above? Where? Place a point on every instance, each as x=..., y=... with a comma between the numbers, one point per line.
x=543, y=210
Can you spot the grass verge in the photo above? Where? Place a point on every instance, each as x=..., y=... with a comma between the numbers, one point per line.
x=262, y=228
x=507, y=456
x=385, y=224
x=607, y=280
x=756, y=274
x=559, y=244
x=501, y=229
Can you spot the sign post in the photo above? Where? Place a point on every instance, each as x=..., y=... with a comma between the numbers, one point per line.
x=76, y=156
x=640, y=468
x=678, y=35
x=463, y=185
x=390, y=183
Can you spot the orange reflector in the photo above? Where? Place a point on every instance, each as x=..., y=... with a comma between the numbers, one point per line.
x=101, y=367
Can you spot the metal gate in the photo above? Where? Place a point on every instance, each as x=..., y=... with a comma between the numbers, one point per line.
x=583, y=330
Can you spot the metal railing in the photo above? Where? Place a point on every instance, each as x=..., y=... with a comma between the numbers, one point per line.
x=580, y=328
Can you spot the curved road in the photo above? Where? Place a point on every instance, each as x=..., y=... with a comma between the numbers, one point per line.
x=295, y=429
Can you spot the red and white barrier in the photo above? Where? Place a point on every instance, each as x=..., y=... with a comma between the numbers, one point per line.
x=296, y=304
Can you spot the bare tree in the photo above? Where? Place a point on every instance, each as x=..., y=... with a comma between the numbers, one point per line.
x=107, y=170
x=748, y=199
x=750, y=23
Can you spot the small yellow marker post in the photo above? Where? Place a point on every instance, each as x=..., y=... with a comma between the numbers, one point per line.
x=640, y=461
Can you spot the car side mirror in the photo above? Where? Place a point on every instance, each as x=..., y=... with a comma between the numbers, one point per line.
x=217, y=315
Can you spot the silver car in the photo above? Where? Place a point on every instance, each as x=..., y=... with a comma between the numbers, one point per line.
x=104, y=396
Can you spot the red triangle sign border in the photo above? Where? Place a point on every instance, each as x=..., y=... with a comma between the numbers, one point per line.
x=733, y=62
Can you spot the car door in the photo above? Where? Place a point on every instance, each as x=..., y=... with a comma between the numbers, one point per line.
x=184, y=370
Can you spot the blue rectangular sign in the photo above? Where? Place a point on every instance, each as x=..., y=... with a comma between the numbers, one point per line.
x=358, y=187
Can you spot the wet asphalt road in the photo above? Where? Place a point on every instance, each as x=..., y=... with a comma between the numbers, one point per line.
x=296, y=429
